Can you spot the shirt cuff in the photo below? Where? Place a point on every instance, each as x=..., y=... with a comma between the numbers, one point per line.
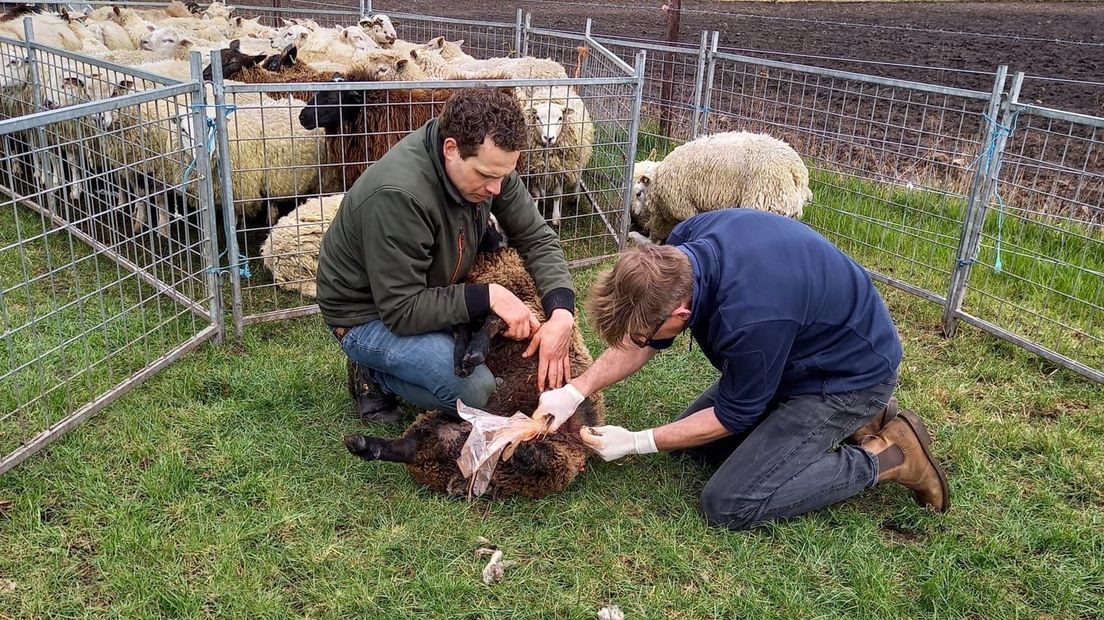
x=477, y=298
x=562, y=297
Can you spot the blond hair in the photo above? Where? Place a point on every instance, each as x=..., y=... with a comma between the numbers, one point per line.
x=637, y=295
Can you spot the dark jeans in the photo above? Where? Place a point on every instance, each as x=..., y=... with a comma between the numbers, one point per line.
x=792, y=462
x=418, y=369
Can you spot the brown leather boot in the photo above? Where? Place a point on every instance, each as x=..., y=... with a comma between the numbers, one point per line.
x=918, y=470
x=874, y=426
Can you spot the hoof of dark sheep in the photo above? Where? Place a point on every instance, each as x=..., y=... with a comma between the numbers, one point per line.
x=363, y=447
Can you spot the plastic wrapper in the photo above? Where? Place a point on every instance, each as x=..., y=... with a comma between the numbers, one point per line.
x=492, y=438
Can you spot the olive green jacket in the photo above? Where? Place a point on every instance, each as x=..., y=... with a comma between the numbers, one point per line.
x=404, y=240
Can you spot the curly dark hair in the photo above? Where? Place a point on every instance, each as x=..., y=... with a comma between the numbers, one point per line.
x=473, y=114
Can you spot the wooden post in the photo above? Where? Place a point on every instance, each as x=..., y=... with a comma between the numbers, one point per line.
x=673, y=10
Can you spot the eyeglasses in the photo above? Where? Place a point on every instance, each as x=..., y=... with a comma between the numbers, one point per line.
x=643, y=341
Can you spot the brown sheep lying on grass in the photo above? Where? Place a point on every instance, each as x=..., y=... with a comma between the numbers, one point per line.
x=431, y=445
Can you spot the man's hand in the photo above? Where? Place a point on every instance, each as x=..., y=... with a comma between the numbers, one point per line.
x=556, y=406
x=520, y=320
x=553, y=340
x=614, y=442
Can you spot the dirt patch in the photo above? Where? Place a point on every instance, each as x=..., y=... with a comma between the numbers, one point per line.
x=1035, y=37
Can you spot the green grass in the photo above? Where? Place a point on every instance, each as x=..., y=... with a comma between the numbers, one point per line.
x=220, y=488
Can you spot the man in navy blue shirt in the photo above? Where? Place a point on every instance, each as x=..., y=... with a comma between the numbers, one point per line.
x=803, y=414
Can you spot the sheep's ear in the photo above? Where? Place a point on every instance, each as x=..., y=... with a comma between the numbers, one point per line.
x=238, y=21
x=186, y=43
x=303, y=36
x=458, y=42
x=337, y=77
x=289, y=55
x=652, y=156
x=645, y=179
x=72, y=80
x=150, y=27
x=414, y=54
x=235, y=45
x=568, y=112
x=285, y=22
x=400, y=64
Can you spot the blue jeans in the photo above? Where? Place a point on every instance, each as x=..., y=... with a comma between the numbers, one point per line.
x=418, y=369
x=792, y=462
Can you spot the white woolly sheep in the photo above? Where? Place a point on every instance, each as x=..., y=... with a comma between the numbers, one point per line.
x=291, y=250
x=724, y=170
x=561, y=139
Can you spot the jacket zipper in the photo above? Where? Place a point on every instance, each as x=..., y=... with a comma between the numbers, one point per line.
x=460, y=254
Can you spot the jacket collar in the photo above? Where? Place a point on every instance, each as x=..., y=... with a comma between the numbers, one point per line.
x=697, y=296
x=435, y=145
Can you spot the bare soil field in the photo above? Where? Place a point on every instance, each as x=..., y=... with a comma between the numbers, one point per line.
x=1044, y=39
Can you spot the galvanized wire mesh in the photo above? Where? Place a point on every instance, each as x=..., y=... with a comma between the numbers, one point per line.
x=277, y=171
x=1038, y=271
x=891, y=162
x=105, y=251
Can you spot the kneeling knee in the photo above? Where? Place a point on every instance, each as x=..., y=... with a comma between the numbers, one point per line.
x=724, y=509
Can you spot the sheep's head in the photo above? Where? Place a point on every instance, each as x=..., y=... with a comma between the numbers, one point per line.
x=108, y=118
x=217, y=10
x=234, y=61
x=281, y=61
x=164, y=40
x=71, y=90
x=380, y=28
x=643, y=173
x=355, y=37
x=242, y=27
x=295, y=34
x=15, y=72
x=332, y=109
x=550, y=117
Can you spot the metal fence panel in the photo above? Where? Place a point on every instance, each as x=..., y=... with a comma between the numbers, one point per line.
x=106, y=239
x=1038, y=271
x=273, y=171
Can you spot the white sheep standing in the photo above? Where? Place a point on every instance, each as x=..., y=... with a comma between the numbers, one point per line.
x=719, y=171
x=561, y=143
x=292, y=248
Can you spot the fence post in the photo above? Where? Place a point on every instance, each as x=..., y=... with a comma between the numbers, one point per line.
x=363, y=9
x=367, y=7
x=707, y=96
x=525, y=34
x=981, y=193
x=699, y=78
x=630, y=155
x=585, y=61
x=205, y=195
x=519, y=24
x=229, y=214
x=40, y=152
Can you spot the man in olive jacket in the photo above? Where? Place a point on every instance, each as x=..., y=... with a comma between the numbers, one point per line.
x=393, y=262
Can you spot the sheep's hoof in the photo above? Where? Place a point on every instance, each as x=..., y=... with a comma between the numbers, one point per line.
x=367, y=448
x=471, y=361
x=524, y=459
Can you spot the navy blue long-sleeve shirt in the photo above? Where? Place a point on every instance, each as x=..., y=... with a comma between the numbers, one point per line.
x=780, y=311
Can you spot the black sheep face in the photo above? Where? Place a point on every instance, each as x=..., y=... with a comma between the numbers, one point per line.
x=233, y=61
x=332, y=110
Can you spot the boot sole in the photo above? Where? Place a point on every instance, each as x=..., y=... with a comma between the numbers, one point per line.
x=921, y=431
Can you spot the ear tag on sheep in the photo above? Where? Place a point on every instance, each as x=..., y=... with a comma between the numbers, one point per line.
x=491, y=437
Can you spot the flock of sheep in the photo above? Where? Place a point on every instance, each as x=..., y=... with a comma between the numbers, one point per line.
x=293, y=152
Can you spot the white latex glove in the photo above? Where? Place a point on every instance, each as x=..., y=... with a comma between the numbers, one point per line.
x=559, y=405
x=614, y=442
